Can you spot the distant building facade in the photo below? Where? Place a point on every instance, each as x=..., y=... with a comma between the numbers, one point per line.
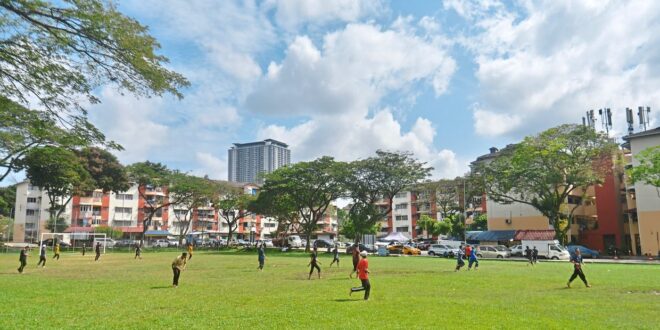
x=248, y=161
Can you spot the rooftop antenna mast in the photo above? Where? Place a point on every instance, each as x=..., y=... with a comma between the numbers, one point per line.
x=629, y=120
x=606, y=119
x=644, y=116
x=590, y=119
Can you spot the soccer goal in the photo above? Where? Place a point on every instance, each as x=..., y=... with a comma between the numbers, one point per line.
x=97, y=237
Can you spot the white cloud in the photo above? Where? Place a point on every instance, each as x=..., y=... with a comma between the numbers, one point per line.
x=548, y=62
x=292, y=14
x=210, y=165
x=350, y=73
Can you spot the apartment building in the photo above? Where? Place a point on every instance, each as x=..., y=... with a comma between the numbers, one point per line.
x=248, y=161
x=31, y=213
x=643, y=201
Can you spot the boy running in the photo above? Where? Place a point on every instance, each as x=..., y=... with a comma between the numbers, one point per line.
x=23, y=259
x=138, y=251
x=459, y=259
x=84, y=248
x=178, y=265
x=42, y=256
x=473, y=260
x=535, y=255
x=363, y=275
x=57, y=251
x=262, y=256
x=356, y=258
x=190, y=251
x=314, y=263
x=576, y=259
x=97, y=249
x=335, y=256
x=528, y=255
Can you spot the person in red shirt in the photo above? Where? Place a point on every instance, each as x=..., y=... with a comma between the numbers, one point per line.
x=363, y=275
x=468, y=249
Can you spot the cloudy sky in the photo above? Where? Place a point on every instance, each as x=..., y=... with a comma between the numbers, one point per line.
x=443, y=79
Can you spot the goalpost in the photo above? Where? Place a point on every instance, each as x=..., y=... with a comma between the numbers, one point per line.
x=103, y=238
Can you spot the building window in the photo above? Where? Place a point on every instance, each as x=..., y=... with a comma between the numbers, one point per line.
x=401, y=229
x=97, y=194
x=125, y=197
x=401, y=195
x=30, y=212
x=402, y=206
x=32, y=200
x=401, y=218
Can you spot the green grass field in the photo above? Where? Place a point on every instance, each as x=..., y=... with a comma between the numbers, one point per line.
x=224, y=290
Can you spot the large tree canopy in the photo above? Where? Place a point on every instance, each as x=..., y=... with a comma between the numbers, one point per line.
x=57, y=52
x=648, y=169
x=543, y=170
x=105, y=169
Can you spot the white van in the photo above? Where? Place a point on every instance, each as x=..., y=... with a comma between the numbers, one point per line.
x=548, y=249
x=107, y=242
x=453, y=244
x=294, y=241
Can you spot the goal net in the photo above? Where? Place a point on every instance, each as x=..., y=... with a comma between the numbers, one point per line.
x=59, y=237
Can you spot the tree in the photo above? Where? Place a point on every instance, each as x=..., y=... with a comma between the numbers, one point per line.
x=6, y=224
x=232, y=206
x=480, y=222
x=360, y=224
x=104, y=168
x=280, y=207
x=59, y=172
x=152, y=177
x=57, y=52
x=427, y=224
x=648, y=170
x=196, y=192
x=56, y=225
x=23, y=129
x=7, y=200
x=310, y=187
x=543, y=170
x=371, y=180
x=445, y=194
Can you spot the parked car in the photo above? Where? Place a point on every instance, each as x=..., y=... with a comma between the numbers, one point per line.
x=49, y=243
x=173, y=242
x=268, y=242
x=107, y=242
x=490, y=252
x=369, y=248
x=506, y=250
x=404, y=249
x=517, y=251
x=585, y=251
x=163, y=243
x=442, y=250
x=322, y=243
x=424, y=244
x=242, y=242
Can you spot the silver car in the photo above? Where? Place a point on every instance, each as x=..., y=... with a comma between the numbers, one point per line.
x=491, y=252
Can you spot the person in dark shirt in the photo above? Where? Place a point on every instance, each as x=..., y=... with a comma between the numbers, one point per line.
x=576, y=259
x=84, y=248
x=535, y=255
x=23, y=259
x=528, y=255
x=356, y=258
x=314, y=263
x=97, y=249
x=262, y=256
x=42, y=256
x=459, y=259
x=335, y=256
x=138, y=251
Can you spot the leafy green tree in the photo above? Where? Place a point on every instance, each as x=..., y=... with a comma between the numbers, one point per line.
x=280, y=207
x=6, y=226
x=232, y=205
x=56, y=226
x=104, y=168
x=7, y=200
x=310, y=187
x=58, y=172
x=427, y=224
x=371, y=180
x=480, y=222
x=648, y=169
x=442, y=227
x=56, y=52
x=543, y=170
x=23, y=129
x=195, y=192
x=355, y=225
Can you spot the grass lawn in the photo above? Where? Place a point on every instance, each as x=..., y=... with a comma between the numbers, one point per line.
x=224, y=290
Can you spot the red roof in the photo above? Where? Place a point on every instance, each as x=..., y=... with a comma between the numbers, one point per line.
x=534, y=235
x=129, y=229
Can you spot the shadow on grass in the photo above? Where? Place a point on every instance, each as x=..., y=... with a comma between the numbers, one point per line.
x=347, y=300
x=161, y=287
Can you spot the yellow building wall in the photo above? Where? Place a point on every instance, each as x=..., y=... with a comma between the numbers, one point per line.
x=519, y=223
x=19, y=233
x=649, y=232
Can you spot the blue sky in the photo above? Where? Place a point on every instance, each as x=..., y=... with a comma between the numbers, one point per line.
x=445, y=80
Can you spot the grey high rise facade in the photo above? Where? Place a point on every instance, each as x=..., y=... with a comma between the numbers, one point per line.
x=248, y=160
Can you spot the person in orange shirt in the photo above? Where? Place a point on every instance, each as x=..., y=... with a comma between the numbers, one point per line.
x=363, y=275
x=468, y=250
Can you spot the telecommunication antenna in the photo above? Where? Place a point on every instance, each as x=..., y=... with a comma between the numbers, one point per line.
x=591, y=119
x=629, y=120
x=644, y=116
x=606, y=119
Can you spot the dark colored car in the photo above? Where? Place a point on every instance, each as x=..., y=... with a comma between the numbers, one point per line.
x=322, y=243
x=363, y=247
x=585, y=251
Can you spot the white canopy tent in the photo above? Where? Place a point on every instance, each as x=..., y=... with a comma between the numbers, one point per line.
x=395, y=236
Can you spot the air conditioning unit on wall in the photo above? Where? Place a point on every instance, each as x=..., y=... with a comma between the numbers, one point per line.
x=508, y=221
